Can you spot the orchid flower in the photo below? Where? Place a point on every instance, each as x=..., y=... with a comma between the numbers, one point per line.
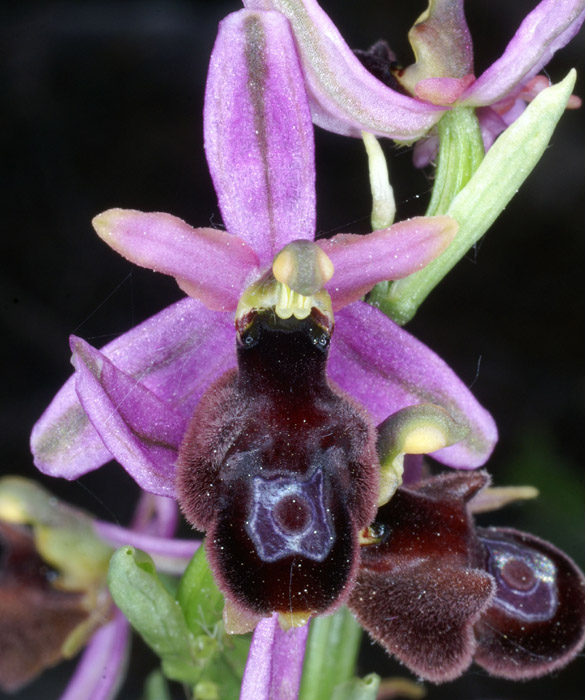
x=347, y=99
x=166, y=393
x=133, y=400
x=52, y=585
x=438, y=103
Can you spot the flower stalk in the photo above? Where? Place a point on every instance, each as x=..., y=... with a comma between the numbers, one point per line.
x=331, y=655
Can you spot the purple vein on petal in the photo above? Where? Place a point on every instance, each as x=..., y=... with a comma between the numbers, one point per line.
x=345, y=98
x=386, y=369
x=141, y=431
x=100, y=672
x=549, y=27
x=275, y=662
x=360, y=262
x=176, y=354
x=260, y=154
x=210, y=265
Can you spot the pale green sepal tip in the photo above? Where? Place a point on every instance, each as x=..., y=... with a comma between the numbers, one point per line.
x=358, y=688
x=497, y=179
x=64, y=535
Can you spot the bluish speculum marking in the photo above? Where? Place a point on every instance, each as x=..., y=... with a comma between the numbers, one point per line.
x=289, y=518
x=526, y=580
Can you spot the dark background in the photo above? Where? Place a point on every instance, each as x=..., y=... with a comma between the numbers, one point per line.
x=102, y=108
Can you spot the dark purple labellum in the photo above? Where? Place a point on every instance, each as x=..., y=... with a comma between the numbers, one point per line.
x=280, y=468
x=416, y=592
x=438, y=593
x=536, y=620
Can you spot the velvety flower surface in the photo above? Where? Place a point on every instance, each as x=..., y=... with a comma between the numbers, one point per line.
x=133, y=399
x=347, y=99
x=439, y=593
x=280, y=469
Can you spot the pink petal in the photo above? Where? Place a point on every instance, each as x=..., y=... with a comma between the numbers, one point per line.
x=441, y=42
x=386, y=369
x=100, y=672
x=549, y=27
x=491, y=125
x=442, y=91
x=210, y=265
x=176, y=354
x=258, y=133
x=360, y=262
x=155, y=515
x=275, y=662
x=140, y=430
x=425, y=151
x=345, y=97
x=171, y=556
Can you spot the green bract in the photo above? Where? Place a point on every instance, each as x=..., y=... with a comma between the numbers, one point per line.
x=185, y=632
x=497, y=179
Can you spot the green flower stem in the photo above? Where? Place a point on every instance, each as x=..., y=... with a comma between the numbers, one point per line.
x=331, y=655
x=156, y=687
x=460, y=153
x=497, y=179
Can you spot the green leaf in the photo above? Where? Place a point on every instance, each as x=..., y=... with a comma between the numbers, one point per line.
x=199, y=597
x=225, y=655
x=186, y=633
x=358, y=689
x=154, y=613
x=331, y=655
x=497, y=179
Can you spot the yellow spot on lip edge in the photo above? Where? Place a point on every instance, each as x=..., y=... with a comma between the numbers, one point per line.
x=290, y=620
x=424, y=439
